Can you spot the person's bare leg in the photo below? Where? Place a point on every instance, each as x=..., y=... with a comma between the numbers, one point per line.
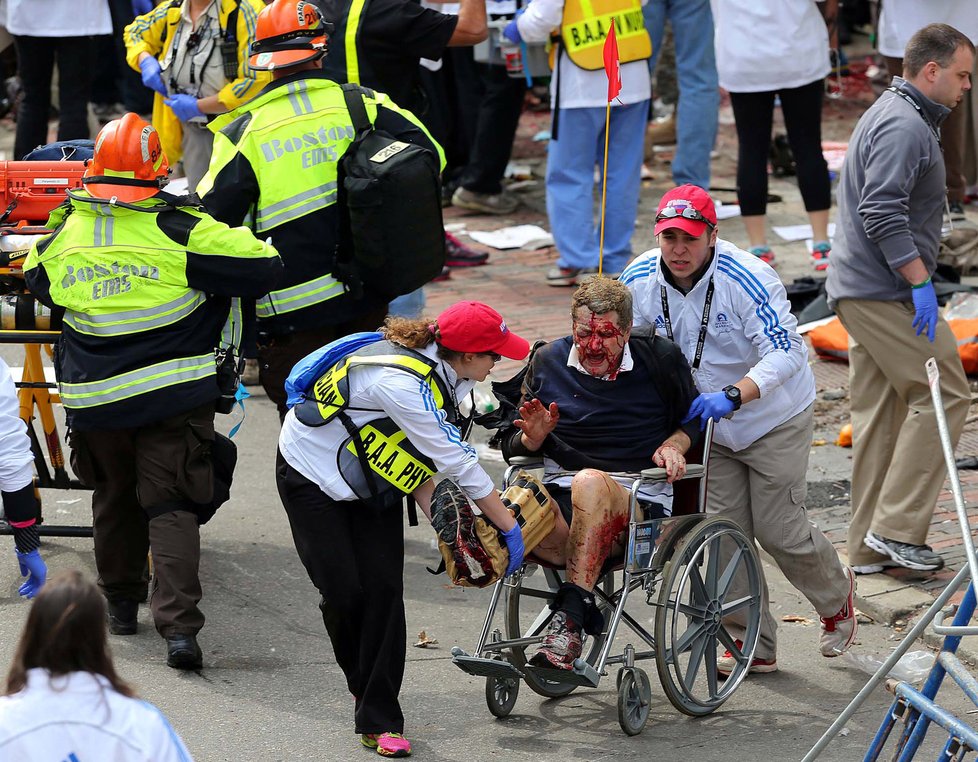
x=756, y=227
x=553, y=547
x=597, y=526
x=820, y=225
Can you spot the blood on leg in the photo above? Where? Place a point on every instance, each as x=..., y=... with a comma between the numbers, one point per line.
x=597, y=528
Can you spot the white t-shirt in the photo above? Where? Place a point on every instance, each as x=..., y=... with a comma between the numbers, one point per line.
x=55, y=18
x=769, y=45
x=79, y=716
x=899, y=19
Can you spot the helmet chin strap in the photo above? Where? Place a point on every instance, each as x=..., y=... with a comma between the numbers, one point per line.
x=114, y=201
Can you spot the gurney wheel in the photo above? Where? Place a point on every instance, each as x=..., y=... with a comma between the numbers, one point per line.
x=634, y=700
x=501, y=693
x=712, y=576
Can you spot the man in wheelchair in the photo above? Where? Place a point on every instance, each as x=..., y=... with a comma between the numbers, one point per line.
x=601, y=402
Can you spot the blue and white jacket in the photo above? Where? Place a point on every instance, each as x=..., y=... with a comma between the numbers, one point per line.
x=383, y=392
x=751, y=333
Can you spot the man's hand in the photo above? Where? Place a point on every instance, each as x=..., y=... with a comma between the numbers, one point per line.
x=514, y=544
x=672, y=460
x=713, y=405
x=33, y=567
x=152, y=77
x=184, y=106
x=925, y=304
x=536, y=422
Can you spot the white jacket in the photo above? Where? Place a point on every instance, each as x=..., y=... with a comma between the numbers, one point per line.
x=388, y=392
x=16, y=458
x=56, y=18
x=751, y=333
x=79, y=716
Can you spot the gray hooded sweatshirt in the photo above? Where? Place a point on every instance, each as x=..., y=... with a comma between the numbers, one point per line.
x=891, y=198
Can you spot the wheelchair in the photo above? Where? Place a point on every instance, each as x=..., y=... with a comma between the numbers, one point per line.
x=696, y=571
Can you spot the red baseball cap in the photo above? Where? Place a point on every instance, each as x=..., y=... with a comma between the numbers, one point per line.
x=688, y=199
x=477, y=327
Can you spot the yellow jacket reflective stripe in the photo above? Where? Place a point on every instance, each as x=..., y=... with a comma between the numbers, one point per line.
x=140, y=381
x=350, y=41
x=134, y=321
x=296, y=297
x=295, y=206
x=585, y=26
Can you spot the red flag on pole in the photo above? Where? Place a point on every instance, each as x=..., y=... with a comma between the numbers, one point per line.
x=611, y=65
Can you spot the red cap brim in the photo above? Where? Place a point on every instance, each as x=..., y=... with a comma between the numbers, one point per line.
x=694, y=227
x=514, y=347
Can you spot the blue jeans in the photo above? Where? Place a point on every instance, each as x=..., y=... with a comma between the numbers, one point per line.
x=696, y=70
x=409, y=305
x=571, y=160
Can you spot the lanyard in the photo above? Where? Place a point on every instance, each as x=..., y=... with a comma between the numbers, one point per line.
x=191, y=53
x=909, y=99
x=704, y=322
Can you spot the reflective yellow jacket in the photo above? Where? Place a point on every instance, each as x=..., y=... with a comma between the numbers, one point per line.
x=153, y=33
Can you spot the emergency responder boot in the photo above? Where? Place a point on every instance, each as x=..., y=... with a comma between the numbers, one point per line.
x=183, y=652
x=122, y=617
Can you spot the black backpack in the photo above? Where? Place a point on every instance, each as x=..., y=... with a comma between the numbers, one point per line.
x=392, y=237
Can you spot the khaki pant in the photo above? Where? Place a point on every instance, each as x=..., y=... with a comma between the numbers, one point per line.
x=763, y=488
x=897, y=462
x=197, y=146
x=148, y=482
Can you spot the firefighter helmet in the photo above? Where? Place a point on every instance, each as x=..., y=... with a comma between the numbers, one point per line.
x=288, y=33
x=129, y=163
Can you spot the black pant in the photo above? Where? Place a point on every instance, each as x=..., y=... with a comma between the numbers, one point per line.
x=353, y=552
x=498, y=118
x=802, y=109
x=115, y=80
x=148, y=482
x=35, y=60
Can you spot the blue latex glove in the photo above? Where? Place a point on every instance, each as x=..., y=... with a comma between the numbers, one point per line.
x=139, y=7
x=152, y=78
x=184, y=106
x=512, y=32
x=514, y=544
x=925, y=304
x=713, y=405
x=33, y=567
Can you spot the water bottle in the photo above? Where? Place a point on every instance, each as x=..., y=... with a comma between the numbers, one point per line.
x=512, y=58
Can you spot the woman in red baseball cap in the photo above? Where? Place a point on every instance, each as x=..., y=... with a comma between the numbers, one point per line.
x=375, y=418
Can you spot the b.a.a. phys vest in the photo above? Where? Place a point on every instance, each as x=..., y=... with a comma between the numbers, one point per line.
x=377, y=456
x=585, y=26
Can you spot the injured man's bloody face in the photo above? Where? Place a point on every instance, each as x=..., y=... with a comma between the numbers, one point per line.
x=600, y=342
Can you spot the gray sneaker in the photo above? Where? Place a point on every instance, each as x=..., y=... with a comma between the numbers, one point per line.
x=918, y=557
x=489, y=203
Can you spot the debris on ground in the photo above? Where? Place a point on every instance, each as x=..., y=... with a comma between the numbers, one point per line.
x=424, y=641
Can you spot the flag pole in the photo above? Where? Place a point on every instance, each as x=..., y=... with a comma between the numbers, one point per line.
x=604, y=187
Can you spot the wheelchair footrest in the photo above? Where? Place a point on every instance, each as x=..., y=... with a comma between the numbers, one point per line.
x=485, y=667
x=587, y=676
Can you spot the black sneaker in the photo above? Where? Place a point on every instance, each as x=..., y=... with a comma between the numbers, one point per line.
x=122, y=617
x=956, y=208
x=919, y=557
x=183, y=652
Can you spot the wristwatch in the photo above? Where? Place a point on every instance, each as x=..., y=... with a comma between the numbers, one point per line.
x=732, y=393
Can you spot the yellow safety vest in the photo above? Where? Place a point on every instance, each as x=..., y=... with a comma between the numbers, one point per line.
x=585, y=26
x=378, y=448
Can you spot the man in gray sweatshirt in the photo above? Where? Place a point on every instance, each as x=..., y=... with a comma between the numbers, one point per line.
x=891, y=203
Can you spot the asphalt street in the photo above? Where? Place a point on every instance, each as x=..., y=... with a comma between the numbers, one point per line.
x=270, y=688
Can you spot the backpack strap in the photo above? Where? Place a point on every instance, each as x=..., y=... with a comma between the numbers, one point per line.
x=353, y=95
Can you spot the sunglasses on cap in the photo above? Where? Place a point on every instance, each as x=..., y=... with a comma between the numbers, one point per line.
x=688, y=213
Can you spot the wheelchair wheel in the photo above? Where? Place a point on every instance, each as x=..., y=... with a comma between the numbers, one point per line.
x=501, y=693
x=712, y=575
x=634, y=700
x=527, y=618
